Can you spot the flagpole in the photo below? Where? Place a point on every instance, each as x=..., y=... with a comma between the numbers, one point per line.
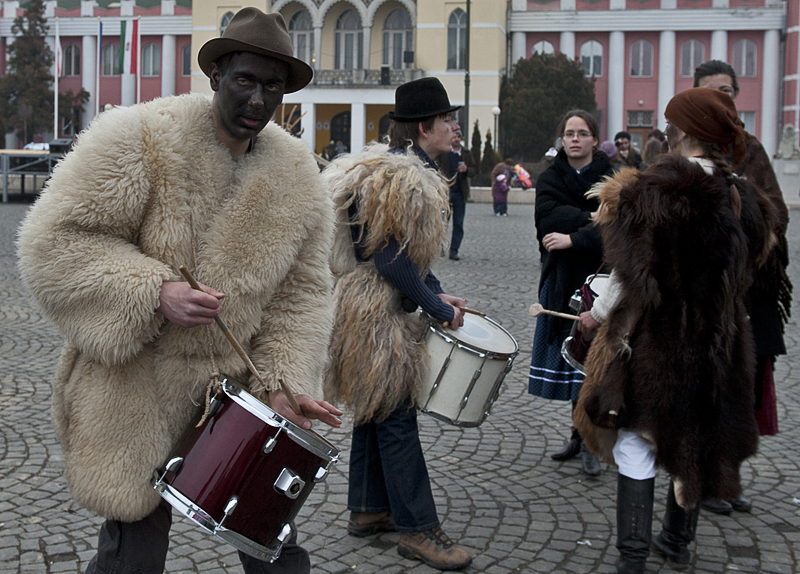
x=138, y=59
x=99, y=66
x=55, y=83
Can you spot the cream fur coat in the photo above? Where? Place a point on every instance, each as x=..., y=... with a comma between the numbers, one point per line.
x=376, y=357
x=146, y=189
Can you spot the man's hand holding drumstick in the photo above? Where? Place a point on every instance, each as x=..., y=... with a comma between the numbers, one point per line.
x=184, y=305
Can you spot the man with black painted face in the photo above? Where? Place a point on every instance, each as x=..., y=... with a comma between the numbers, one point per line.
x=211, y=184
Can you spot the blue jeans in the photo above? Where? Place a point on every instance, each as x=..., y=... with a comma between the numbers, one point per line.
x=457, y=207
x=501, y=207
x=388, y=472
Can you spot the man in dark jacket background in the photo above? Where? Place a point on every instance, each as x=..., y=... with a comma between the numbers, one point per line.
x=457, y=162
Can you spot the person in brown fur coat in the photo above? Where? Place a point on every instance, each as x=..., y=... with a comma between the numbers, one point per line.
x=392, y=207
x=669, y=371
x=770, y=297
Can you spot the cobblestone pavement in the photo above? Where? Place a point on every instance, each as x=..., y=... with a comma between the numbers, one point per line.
x=498, y=492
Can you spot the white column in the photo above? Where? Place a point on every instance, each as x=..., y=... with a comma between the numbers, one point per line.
x=719, y=45
x=616, y=82
x=127, y=81
x=567, y=44
x=167, y=7
x=317, y=46
x=89, y=77
x=616, y=5
x=518, y=45
x=666, y=75
x=769, y=92
x=367, y=34
x=308, y=124
x=168, y=65
x=87, y=8
x=568, y=5
x=358, y=127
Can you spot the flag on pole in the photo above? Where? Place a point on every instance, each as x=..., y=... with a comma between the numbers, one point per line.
x=129, y=51
x=59, y=53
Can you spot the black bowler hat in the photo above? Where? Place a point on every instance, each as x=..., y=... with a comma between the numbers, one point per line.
x=250, y=30
x=420, y=99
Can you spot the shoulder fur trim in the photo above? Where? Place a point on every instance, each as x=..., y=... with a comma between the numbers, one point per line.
x=397, y=196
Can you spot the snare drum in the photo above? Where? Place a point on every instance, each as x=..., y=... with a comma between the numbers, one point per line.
x=467, y=367
x=575, y=348
x=245, y=472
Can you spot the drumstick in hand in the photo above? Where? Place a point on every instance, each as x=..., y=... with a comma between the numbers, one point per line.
x=537, y=309
x=289, y=395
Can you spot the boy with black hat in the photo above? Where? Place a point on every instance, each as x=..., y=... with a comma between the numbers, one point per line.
x=183, y=180
x=391, y=211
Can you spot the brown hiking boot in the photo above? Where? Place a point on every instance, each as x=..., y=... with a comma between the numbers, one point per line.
x=434, y=548
x=368, y=523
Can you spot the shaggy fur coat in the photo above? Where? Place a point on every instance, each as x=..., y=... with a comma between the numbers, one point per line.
x=146, y=189
x=376, y=357
x=675, y=358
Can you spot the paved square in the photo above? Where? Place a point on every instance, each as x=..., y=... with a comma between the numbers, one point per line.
x=498, y=491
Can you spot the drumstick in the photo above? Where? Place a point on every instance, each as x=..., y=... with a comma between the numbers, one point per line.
x=473, y=311
x=286, y=390
x=537, y=309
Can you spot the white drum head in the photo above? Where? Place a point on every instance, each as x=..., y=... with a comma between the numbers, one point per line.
x=482, y=333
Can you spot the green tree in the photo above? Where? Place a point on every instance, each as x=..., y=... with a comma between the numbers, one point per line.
x=534, y=99
x=26, y=90
x=489, y=159
x=476, y=144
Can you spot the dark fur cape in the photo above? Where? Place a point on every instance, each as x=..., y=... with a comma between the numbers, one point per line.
x=675, y=359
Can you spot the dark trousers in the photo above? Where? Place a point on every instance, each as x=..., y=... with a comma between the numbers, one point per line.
x=388, y=472
x=141, y=548
x=458, y=208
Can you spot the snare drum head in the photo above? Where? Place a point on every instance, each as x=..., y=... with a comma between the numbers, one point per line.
x=484, y=334
x=598, y=284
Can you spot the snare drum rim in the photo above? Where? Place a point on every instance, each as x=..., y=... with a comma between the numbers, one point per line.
x=310, y=440
x=437, y=328
x=569, y=359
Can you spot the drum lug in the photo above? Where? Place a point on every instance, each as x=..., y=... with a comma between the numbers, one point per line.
x=285, y=532
x=289, y=484
x=174, y=464
x=322, y=473
x=271, y=442
x=231, y=506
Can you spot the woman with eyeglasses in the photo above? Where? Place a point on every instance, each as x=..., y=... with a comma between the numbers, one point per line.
x=669, y=373
x=571, y=251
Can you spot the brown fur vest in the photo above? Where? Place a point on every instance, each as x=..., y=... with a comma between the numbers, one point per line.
x=376, y=358
x=675, y=359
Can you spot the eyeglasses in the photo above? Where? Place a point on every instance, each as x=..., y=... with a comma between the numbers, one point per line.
x=581, y=135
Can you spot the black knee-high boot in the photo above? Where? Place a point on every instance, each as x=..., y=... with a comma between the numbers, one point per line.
x=573, y=446
x=634, y=523
x=677, y=532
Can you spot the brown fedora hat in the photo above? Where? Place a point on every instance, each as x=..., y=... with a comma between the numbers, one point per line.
x=250, y=30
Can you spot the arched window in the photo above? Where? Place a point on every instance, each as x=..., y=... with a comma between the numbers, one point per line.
x=457, y=40
x=641, y=59
x=151, y=60
x=72, y=60
x=398, y=38
x=111, y=60
x=543, y=47
x=301, y=30
x=744, y=58
x=693, y=53
x=349, y=38
x=223, y=23
x=592, y=58
x=186, y=60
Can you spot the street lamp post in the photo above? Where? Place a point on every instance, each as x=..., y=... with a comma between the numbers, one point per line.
x=496, y=113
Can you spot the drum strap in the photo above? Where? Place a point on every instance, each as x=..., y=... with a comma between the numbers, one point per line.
x=215, y=386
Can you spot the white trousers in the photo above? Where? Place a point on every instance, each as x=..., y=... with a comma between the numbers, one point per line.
x=635, y=456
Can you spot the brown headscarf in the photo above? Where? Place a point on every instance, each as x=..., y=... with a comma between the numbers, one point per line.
x=710, y=116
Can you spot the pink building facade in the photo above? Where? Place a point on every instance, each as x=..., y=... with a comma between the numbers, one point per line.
x=642, y=52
